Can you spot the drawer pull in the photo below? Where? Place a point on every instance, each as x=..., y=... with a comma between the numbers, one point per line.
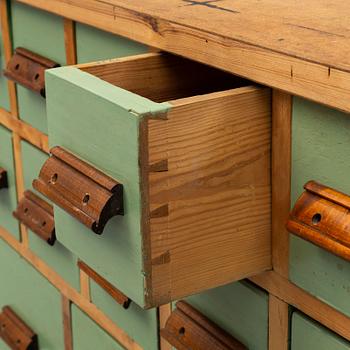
x=81, y=190
x=186, y=328
x=321, y=215
x=28, y=69
x=15, y=333
x=37, y=215
x=3, y=178
x=115, y=293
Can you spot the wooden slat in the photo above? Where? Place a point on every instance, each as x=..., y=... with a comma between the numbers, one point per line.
x=278, y=324
x=67, y=323
x=70, y=42
x=85, y=285
x=164, y=314
x=24, y=131
x=305, y=302
x=296, y=54
x=70, y=293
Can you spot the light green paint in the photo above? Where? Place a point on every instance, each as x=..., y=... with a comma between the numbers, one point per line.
x=57, y=257
x=32, y=297
x=321, y=143
x=309, y=335
x=140, y=324
x=94, y=44
x=8, y=196
x=240, y=309
x=100, y=123
x=87, y=335
x=4, y=94
x=42, y=33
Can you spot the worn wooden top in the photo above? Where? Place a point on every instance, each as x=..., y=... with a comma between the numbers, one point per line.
x=299, y=46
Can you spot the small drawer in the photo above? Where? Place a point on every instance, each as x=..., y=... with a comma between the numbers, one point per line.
x=306, y=334
x=141, y=325
x=95, y=45
x=195, y=173
x=8, y=192
x=88, y=335
x=42, y=33
x=240, y=308
x=320, y=153
x=4, y=93
x=57, y=256
x=32, y=298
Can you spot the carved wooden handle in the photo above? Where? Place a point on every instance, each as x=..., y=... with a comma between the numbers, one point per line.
x=28, y=69
x=186, y=328
x=15, y=333
x=80, y=189
x=3, y=178
x=321, y=215
x=37, y=215
x=115, y=293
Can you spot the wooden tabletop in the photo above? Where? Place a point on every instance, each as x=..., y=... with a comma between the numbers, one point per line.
x=300, y=46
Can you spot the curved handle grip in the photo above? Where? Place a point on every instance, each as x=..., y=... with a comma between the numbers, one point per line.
x=186, y=328
x=80, y=189
x=28, y=69
x=321, y=215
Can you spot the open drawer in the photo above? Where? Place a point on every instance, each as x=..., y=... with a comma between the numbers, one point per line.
x=190, y=146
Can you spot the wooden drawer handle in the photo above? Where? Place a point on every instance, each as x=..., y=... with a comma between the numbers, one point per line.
x=15, y=333
x=321, y=215
x=80, y=189
x=37, y=215
x=186, y=328
x=28, y=69
x=115, y=293
x=3, y=178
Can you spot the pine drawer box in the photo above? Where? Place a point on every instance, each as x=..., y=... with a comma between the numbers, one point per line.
x=195, y=173
x=306, y=334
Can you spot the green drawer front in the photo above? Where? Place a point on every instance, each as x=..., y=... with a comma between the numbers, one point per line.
x=141, y=325
x=321, y=145
x=306, y=334
x=8, y=196
x=94, y=45
x=87, y=335
x=4, y=94
x=241, y=309
x=57, y=257
x=101, y=130
x=42, y=33
x=32, y=297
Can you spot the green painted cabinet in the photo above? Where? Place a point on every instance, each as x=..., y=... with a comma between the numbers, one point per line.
x=4, y=93
x=87, y=335
x=321, y=141
x=241, y=309
x=8, y=196
x=32, y=298
x=42, y=33
x=57, y=256
x=306, y=334
x=95, y=45
x=141, y=325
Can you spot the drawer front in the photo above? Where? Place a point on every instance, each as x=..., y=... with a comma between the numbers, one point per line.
x=95, y=45
x=57, y=256
x=240, y=309
x=4, y=93
x=141, y=325
x=129, y=137
x=87, y=335
x=306, y=334
x=42, y=33
x=8, y=196
x=320, y=152
x=32, y=298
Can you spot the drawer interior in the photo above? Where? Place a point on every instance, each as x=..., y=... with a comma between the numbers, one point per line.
x=163, y=77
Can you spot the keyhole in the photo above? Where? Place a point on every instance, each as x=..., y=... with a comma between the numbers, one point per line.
x=86, y=198
x=54, y=178
x=316, y=218
x=182, y=331
x=17, y=66
x=37, y=76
